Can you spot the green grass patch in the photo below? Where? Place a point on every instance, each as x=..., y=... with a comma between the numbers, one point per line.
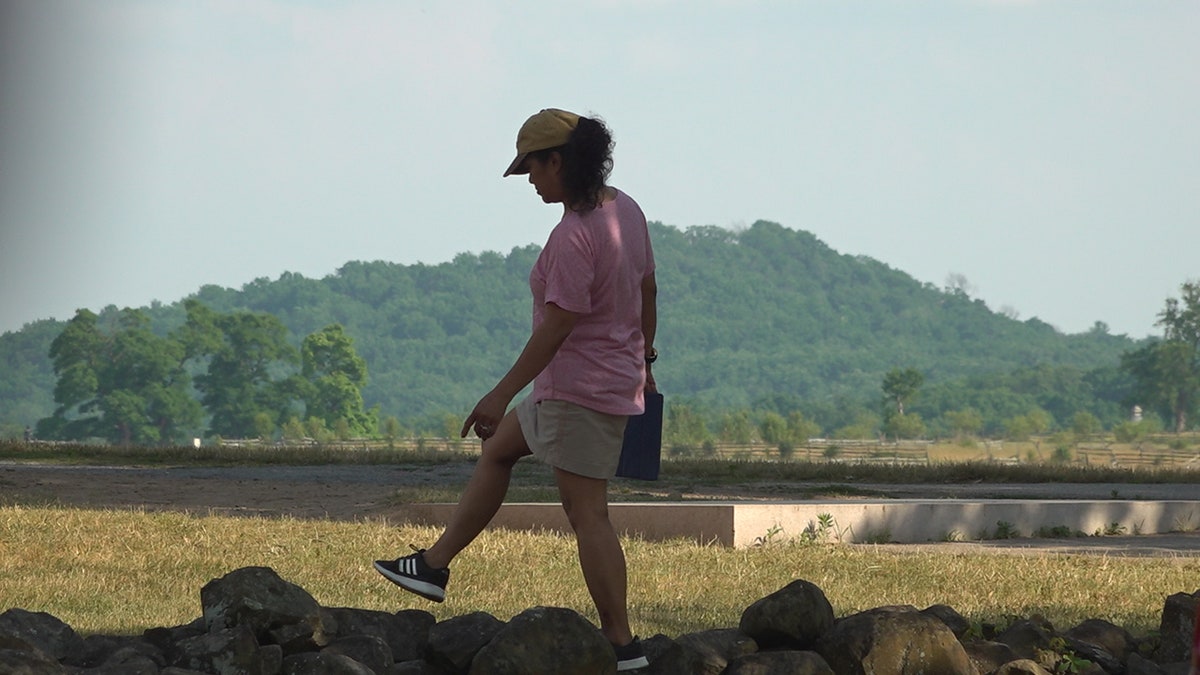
x=120, y=572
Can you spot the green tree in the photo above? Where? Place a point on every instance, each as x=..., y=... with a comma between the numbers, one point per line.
x=336, y=375
x=1018, y=428
x=390, y=429
x=1084, y=423
x=736, y=427
x=248, y=361
x=904, y=427
x=293, y=430
x=773, y=428
x=1040, y=421
x=341, y=429
x=264, y=426
x=800, y=428
x=901, y=385
x=124, y=384
x=684, y=426
x=1021, y=427
x=866, y=425
x=1167, y=371
x=316, y=430
x=963, y=423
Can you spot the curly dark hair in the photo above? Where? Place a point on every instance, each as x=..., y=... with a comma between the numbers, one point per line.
x=587, y=162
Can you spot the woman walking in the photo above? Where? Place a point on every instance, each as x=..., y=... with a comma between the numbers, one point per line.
x=589, y=356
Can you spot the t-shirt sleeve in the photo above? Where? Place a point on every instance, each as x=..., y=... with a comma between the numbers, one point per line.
x=570, y=270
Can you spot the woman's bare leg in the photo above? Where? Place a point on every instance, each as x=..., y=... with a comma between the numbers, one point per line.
x=484, y=492
x=600, y=556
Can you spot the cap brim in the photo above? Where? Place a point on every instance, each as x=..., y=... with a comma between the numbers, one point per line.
x=515, y=167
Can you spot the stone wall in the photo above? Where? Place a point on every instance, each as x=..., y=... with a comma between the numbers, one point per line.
x=254, y=622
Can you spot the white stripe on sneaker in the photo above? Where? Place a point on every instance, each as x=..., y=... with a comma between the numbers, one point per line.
x=633, y=664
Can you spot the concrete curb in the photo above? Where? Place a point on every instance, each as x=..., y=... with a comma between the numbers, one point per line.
x=741, y=524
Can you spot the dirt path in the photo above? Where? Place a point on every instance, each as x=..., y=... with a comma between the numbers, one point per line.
x=335, y=492
x=350, y=492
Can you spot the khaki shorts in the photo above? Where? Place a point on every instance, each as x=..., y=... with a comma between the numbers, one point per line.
x=571, y=437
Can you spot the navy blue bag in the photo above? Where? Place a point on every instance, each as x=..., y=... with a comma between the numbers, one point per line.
x=642, y=450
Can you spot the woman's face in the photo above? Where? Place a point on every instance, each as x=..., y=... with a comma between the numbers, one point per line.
x=545, y=177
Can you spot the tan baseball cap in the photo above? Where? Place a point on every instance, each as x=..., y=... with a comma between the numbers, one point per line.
x=549, y=128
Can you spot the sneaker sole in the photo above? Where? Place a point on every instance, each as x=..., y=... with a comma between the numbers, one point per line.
x=633, y=664
x=424, y=589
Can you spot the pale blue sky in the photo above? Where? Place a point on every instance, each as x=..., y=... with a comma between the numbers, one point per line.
x=1047, y=150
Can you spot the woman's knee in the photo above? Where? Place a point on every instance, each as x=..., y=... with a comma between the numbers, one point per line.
x=508, y=444
x=584, y=501
x=583, y=519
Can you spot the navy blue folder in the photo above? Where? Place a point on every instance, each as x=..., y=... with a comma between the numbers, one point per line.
x=642, y=450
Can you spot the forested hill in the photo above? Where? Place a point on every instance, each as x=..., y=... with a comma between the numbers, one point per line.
x=764, y=314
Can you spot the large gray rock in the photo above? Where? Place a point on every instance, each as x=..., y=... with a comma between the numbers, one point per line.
x=416, y=667
x=1103, y=660
x=406, y=632
x=1027, y=637
x=107, y=649
x=1176, y=628
x=44, y=631
x=270, y=659
x=454, y=642
x=1139, y=665
x=1112, y=638
x=668, y=657
x=369, y=650
x=230, y=651
x=986, y=655
x=137, y=665
x=1021, y=667
x=893, y=641
x=165, y=639
x=546, y=640
x=276, y=611
x=793, y=617
x=135, y=658
x=779, y=663
x=322, y=663
x=956, y=622
x=714, y=649
x=30, y=661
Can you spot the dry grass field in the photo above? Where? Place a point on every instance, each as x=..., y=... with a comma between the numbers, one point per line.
x=122, y=571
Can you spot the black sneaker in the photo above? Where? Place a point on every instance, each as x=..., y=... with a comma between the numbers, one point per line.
x=631, y=656
x=412, y=574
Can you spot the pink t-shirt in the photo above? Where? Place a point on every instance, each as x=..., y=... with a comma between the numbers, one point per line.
x=593, y=264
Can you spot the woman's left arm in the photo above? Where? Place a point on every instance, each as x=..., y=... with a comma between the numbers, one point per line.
x=557, y=323
x=649, y=323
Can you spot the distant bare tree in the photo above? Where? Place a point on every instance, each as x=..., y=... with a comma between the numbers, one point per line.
x=957, y=284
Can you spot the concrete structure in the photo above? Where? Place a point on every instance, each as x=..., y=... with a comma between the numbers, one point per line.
x=741, y=524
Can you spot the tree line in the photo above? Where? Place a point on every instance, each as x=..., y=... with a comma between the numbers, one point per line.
x=233, y=375
x=756, y=321
x=123, y=383
x=1154, y=387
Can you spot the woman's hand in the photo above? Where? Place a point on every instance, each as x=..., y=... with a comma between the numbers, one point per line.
x=651, y=385
x=486, y=416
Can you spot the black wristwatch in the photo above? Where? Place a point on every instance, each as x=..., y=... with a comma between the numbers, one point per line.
x=652, y=355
